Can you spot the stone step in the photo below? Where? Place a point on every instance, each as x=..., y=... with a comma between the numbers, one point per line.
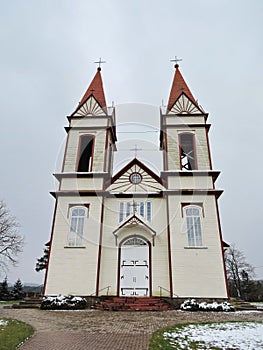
x=133, y=304
x=26, y=306
x=28, y=303
x=240, y=305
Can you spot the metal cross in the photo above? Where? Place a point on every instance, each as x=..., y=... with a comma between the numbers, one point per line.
x=100, y=62
x=135, y=149
x=176, y=60
x=134, y=205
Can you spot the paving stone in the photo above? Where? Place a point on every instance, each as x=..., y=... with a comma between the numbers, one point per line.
x=105, y=330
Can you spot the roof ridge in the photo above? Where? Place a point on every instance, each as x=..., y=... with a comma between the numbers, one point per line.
x=179, y=87
x=96, y=90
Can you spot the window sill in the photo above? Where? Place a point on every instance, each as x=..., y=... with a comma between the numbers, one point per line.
x=201, y=247
x=75, y=247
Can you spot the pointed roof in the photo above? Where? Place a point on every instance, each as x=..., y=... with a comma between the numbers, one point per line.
x=179, y=87
x=149, y=181
x=95, y=90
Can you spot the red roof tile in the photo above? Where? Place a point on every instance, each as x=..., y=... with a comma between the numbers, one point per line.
x=179, y=86
x=95, y=89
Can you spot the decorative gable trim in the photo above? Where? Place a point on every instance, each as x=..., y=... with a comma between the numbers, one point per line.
x=132, y=222
x=90, y=107
x=184, y=105
x=149, y=183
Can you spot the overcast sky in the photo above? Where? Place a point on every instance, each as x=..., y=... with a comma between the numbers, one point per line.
x=47, y=54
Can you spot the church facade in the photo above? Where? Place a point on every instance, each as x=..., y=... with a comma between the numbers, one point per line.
x=137, y=233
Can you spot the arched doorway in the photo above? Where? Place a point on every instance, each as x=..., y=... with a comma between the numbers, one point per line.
x=134, y=278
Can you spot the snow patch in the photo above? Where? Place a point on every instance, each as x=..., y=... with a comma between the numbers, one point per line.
x=3, y=323
x=193, y=305
x=237, y=335
x=62, y=302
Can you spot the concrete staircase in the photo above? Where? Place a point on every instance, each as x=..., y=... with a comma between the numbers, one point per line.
x=133, y=304
x=28, y=303
x=241, y=305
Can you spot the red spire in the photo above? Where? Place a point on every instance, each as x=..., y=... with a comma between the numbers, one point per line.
x=95, y=89
x=179, y=86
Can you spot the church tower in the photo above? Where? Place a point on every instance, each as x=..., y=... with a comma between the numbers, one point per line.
x=196, y=261
x=87, y=165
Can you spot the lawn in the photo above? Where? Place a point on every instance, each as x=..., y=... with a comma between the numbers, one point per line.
x=13, y=333
x=217, y=336
x=9, y=302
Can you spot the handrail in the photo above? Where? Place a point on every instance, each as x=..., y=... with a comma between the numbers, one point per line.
x=167, y=290
x=108, y=287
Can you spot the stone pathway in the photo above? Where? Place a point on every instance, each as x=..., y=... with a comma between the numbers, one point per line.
x=98, y=330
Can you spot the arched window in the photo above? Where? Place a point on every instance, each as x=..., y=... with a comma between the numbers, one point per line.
x=193, y=225
x=187, y=151
x=85, y=153
x=77, y=219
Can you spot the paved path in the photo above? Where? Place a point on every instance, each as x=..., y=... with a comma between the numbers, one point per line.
x=102, y=330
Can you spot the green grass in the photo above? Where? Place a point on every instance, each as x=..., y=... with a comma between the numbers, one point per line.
x=9, y=302
x=15, y=333
x=158, y=342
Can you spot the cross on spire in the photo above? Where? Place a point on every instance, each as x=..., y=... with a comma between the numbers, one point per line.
x=100, y=62
x=135, y=149
x=176, y=60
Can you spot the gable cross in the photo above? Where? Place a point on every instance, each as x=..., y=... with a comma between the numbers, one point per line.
x=135, y=149
x=100, y=62
x=176, y=60
x=134, y=205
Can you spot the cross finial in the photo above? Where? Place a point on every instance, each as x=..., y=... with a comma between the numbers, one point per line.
x=134, y=205
x=135, y=149
x=100, y=62
x=176, y=60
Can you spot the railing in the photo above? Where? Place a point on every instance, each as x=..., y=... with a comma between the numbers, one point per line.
x=167, y=290
x=108, y=287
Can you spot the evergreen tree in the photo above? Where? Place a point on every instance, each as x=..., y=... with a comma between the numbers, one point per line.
x=4, y=292
x=42, y=262
x=17, y=291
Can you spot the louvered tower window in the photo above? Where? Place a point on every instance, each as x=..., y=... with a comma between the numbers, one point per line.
x=187, y=152
x=85, y=153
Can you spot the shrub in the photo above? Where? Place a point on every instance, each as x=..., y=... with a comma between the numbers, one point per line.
x=193, y=305
x=62, y=302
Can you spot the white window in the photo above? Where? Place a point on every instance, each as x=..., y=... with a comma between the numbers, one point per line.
x=121, y=216
x=143, y=209
x=193, y=224
x=77, y=220
x=148, y=211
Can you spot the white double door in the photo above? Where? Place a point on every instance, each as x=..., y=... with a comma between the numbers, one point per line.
x=134, y=269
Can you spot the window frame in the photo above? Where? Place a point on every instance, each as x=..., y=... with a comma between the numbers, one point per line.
x=180, y=136
x=75, y=238
x=142, y=207
x=194, y=227
x=80, y=153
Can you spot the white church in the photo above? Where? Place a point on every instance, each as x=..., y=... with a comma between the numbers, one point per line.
x=136, y=232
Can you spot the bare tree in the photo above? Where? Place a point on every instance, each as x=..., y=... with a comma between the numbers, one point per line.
x=11, y=242
x=239, y=271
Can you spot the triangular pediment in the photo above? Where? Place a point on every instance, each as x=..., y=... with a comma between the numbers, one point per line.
x=90, y=107
x=132, y=221
x=184, y=105
x=136, y=177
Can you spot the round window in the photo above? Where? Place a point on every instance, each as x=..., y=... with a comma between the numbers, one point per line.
x=135, y=178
